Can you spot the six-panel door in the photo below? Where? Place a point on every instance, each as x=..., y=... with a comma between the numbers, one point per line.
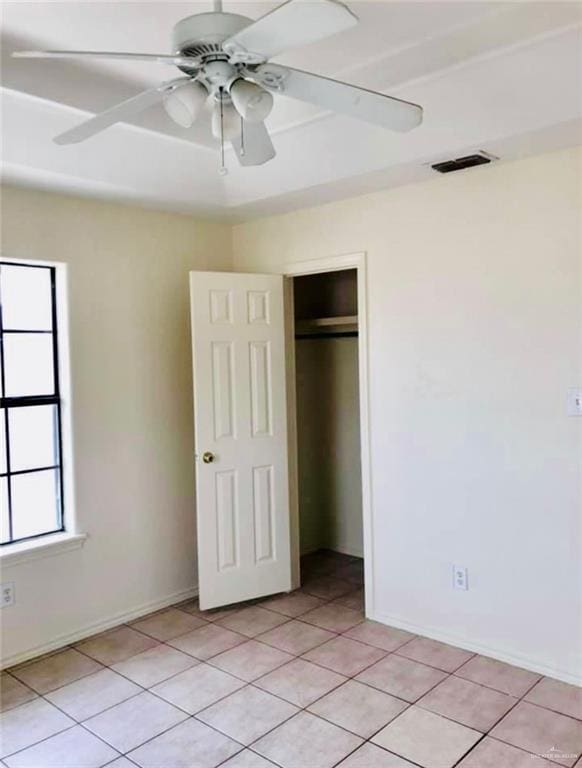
x=240, y=421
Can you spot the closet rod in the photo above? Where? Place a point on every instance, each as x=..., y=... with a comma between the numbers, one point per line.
x=334, y=335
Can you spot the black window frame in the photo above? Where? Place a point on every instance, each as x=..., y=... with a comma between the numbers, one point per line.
x=55, y=399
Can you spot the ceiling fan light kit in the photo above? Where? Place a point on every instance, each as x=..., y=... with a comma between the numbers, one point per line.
x=183, y=103
x=252, y=102
x=225, y=57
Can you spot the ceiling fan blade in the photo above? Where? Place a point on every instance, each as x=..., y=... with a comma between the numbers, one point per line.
x=256, y=146
x=295, y=23
x=334, y=95
x=178, y=61
x=118, y=113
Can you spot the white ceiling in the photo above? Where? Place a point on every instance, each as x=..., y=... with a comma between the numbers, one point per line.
x=505, y=77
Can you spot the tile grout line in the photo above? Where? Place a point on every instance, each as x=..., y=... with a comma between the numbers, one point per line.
x=82, y=677
x=518, y=700
x=300, y=709
x=352, y=677
x=76, y=724
x=294, y=656
x=153, y=693
x=251, y=683
x=305, y=708
x=189, y=716
x=81, y=723
x=43, y=697
x=195, y=716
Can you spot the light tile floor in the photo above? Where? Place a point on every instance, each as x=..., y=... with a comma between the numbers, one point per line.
x=296, y=681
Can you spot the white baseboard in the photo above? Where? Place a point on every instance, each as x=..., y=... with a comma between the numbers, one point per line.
x=121, y=618
x=461, y=642
x=101, y=626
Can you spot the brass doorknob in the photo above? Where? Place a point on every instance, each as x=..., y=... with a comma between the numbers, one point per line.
x=208, y=457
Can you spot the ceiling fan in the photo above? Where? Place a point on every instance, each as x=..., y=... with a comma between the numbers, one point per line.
x=225, y=57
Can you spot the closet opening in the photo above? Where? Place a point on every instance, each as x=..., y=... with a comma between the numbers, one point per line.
x=327, y=405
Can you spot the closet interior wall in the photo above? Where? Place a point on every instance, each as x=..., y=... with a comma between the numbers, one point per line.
x=328, y=420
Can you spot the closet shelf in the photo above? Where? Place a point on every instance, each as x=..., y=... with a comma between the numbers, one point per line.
x=321, y=325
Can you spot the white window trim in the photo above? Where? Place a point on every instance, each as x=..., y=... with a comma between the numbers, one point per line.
x=71, y=538
x=43, y=546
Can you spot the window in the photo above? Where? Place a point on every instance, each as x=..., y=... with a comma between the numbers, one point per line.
x=31, y=477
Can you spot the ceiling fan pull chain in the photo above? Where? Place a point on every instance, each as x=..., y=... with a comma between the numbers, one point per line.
x=223, y=170
x=242, y=137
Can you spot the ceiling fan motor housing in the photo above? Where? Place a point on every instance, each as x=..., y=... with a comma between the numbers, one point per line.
x=202, y=35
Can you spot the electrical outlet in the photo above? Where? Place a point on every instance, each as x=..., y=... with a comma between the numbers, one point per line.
x=575, y=401
x=7, y=594
x=460, y=577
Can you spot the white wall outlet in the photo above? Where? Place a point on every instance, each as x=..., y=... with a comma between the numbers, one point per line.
x=7, y=594
x=575, y=401
x=460, y=577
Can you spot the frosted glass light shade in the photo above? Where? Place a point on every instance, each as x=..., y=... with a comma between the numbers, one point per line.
x=184, y=104
x=230, y=122
x=251, y=101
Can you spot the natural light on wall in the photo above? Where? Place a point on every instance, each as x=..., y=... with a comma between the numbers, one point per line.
x=31, y=477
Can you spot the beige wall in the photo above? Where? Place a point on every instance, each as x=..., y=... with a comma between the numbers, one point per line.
x=475, y=302
x=132, y=415
x=475, y=336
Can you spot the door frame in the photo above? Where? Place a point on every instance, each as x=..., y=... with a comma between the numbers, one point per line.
x=290, y=270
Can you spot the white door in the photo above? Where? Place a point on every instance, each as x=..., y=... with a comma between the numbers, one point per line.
x=240, y=426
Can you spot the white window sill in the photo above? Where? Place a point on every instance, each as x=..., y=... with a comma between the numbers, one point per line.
x=45, y=546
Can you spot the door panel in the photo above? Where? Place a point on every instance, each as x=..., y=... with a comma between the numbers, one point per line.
x=240, y=417
x=263, y=509
x=226, y=519
x=223, y=395
x=261, y=388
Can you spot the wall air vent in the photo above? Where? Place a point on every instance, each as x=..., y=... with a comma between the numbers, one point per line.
x=448, y=166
